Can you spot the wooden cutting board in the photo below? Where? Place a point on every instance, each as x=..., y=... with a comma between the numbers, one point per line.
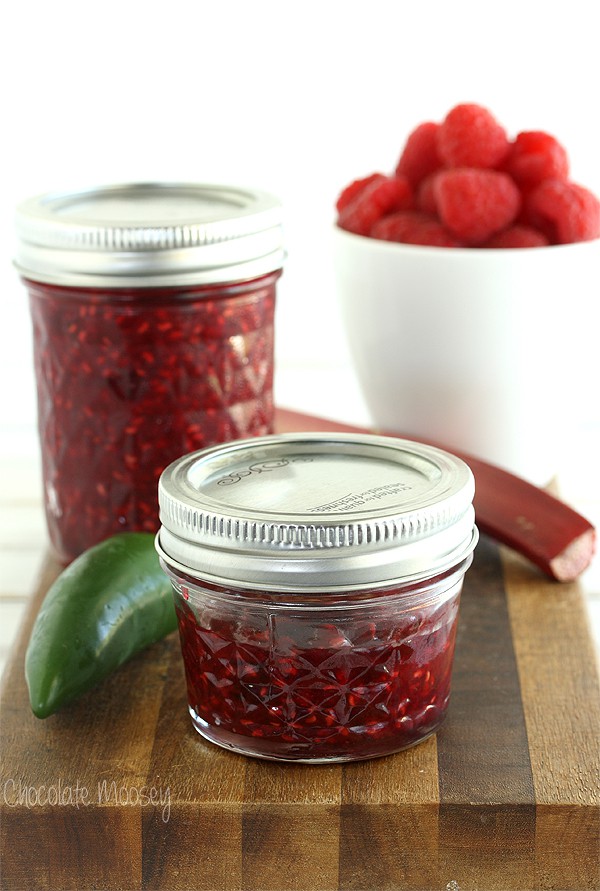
x=119, y=792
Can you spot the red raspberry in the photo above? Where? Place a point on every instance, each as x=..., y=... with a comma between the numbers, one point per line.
x=474, y=204
x=375, y=201
x=411, y=227
x=470, y=136
x=535, y=156
x=425, y=200
x=420, y=155
x=355, y=188
x=524, y=218
x=564, y=211
x=517, y=237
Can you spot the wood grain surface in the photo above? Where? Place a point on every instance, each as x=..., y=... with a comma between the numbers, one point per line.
x=117, y=791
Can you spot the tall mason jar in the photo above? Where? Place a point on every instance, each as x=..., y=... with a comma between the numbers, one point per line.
x=153, y=312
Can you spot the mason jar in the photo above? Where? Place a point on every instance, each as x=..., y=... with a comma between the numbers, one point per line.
x=317, y=582
x=152, y=308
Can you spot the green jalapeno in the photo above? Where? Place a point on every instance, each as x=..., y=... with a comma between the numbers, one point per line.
x=111, y=602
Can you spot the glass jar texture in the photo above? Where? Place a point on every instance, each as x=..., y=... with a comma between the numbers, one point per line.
x=317, y=582
x=128, y=380
x=341, y=677
x=153, y=311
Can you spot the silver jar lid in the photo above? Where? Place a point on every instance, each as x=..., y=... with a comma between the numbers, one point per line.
x=303, y=512
x=149, y=234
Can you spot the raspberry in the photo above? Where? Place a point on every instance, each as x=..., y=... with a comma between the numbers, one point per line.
x=420, y=155
x=377, y=199
x=426, y=196
x=355, y=188
x=535, y=156
x=483, y=189
x=517, y=237
x=411, y=227
x=564, y=211
x=470, y=136
x=474, y=204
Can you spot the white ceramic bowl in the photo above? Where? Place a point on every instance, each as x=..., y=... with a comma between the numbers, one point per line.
x=484, y=351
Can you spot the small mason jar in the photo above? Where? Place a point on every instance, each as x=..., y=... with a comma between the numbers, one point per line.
x=152, y=308
x=317, y=580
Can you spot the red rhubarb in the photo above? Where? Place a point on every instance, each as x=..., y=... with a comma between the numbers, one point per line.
x=510, y=510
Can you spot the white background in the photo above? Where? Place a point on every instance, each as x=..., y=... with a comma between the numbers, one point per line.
x=294, y=98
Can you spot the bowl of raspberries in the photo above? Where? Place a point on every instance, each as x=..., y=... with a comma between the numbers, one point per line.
x=468, y=279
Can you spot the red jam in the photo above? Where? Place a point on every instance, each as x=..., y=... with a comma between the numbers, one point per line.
x=130, y=379
x=283, y=683
x=317, y=579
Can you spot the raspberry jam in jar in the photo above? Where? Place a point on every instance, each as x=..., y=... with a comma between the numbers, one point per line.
x=317, y=581
x=152, y=308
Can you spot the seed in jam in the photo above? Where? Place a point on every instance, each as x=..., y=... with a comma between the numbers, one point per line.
x=298, y=687
x=130, y=379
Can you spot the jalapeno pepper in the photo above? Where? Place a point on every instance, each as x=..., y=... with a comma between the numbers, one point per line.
x=111, y=602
